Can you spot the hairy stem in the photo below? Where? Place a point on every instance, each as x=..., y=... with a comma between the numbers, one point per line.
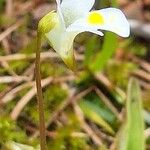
x=39, y=95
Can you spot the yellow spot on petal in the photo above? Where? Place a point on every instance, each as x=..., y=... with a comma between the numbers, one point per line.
x=95, y=18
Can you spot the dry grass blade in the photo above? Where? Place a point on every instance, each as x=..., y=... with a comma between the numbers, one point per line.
x=22, y=103
x=100, y=77
x=144, y=85
x=142, y=74
x=145, y=65
x=9, y=8
x=11, y=94
x=10, y=79
x=6, y=46
x=64, y=104
x=85, y=126
x=44, y=55
x=8, y=68
x=27, y=72
x=107, y=102
x=67, y=102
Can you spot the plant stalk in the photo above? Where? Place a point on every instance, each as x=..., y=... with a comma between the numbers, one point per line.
x=40, y=95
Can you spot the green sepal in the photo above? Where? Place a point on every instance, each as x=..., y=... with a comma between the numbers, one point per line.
x=70, y=62
x=48, y=22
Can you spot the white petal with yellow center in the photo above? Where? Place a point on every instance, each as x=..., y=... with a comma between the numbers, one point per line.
x=74, y=18
x=115, y=21
x=110, y=19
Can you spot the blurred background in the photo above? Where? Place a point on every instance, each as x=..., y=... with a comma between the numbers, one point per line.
x=105, y=108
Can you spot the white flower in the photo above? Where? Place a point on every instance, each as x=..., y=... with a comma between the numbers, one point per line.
x=74, y=17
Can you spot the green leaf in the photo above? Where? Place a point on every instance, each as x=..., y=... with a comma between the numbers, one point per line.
x=108, y=49
x=92, y=112
x=90, y=46
x=131, y=136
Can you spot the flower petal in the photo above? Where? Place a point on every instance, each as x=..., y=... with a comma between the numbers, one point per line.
x=61, y=19
x=75, y=9
x=115, y=21
x=84, y=28
x=110, y=19
x=62, y=42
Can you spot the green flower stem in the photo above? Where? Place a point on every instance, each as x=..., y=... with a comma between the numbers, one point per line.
x=39, y=95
